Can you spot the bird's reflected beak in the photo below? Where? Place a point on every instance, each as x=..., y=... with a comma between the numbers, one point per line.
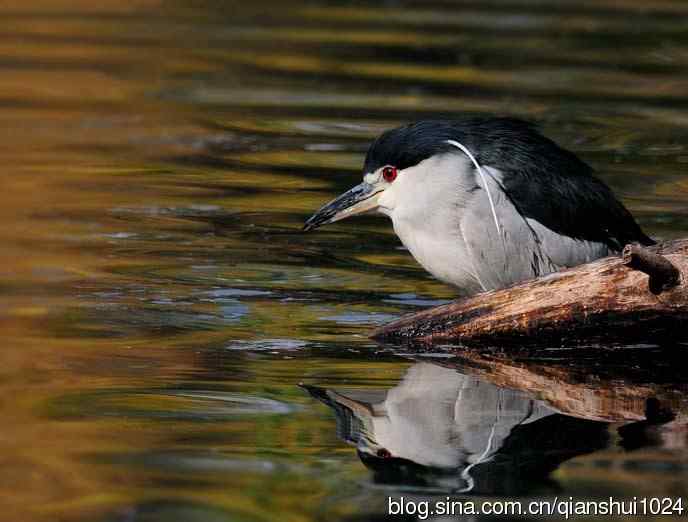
x=362, y=198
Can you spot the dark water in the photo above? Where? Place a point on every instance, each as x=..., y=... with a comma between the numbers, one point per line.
x=159, y=305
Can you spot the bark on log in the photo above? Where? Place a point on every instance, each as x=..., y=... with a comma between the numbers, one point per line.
x=638, y=297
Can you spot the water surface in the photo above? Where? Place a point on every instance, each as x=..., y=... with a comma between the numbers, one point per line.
x=160, y=305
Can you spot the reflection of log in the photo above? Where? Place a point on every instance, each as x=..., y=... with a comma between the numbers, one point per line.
x=606, y=301
x=578, y=392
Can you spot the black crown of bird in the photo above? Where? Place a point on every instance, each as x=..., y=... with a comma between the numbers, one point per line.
x=482, y=203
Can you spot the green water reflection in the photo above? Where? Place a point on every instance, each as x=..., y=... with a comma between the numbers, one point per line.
x=160, y=305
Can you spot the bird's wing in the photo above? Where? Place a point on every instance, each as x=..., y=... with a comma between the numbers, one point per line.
x=551, y=185
x=499, y=256
x=518, y=247
x=566, y=198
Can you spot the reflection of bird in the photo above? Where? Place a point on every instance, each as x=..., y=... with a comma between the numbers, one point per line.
x=440, y=428
x=486, y=202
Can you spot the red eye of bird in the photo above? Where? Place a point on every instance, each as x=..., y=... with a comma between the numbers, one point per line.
x=383, y=453
x=389, y=174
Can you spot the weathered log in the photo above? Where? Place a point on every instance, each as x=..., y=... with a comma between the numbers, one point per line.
x=639, y=297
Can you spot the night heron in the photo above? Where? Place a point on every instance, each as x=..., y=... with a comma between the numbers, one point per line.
x=438, y=427
x=483, y=203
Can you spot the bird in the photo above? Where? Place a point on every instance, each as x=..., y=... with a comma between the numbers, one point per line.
x=483, y=203
x=454, y=431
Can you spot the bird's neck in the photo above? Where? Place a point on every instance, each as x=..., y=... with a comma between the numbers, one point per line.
x=427, y=215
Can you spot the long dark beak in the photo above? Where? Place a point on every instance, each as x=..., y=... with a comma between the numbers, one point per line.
x=331, y=397
x=362, y=198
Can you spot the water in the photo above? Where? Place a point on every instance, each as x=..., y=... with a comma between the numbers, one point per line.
x=160, y=305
